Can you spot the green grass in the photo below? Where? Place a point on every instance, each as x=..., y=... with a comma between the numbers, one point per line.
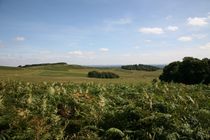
x=74, y=73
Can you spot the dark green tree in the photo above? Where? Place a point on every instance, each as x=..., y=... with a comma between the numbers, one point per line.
x=189, y=71
x=171, y=72
x=96, y=74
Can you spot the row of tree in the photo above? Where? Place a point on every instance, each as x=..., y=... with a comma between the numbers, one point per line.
x=189, y=71
x=140, y=67
x=43, y=64
x=96, y=74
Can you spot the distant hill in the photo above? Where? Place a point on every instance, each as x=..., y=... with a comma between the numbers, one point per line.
x=161, y=66
x=140, y=67
x=8, y=68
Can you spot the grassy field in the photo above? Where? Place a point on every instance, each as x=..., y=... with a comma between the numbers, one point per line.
x=72, y=73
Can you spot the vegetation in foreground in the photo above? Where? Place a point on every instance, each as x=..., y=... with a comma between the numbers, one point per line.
x=157, y=111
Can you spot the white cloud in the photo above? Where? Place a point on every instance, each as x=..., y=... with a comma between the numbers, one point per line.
x=104, y=49
x=113, y=24
x=205, y=47
x=148, y=30
x=185, y=38
x=197, y=21
x=172, y=28
x=19, y=38
x=78, y=53
x=136, y=47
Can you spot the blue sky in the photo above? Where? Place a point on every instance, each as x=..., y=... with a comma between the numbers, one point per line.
x=93, y=32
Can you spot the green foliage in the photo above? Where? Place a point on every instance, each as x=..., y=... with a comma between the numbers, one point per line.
x=114, y=134
x=140, y=67
x=96, y=74
x=189, y=71
x=91, y=111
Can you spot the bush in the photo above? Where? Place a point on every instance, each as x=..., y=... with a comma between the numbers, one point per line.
x=64, y=111
x=189, y=71
x=96, y=74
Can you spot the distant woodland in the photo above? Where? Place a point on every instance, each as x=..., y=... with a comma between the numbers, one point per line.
x=140, y=67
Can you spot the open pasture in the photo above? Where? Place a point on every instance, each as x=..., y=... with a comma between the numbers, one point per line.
x=75, y=74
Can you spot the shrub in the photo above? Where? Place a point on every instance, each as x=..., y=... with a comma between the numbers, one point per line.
x=89, y=111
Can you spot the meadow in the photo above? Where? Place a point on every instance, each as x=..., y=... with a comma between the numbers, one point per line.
x=75, y=74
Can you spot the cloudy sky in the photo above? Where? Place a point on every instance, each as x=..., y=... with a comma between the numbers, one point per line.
x=93, y=32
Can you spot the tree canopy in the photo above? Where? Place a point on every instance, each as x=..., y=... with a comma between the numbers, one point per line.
x=189, y=71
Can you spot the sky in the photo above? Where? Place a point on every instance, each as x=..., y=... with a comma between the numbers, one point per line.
x=103, y=32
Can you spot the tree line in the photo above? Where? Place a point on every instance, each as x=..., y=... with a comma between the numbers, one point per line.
x=96, y=74
x=140, y=67
x=42, y=64
x=189, y=71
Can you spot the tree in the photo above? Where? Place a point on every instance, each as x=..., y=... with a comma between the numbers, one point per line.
x=171, y=72
x=189, y=71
